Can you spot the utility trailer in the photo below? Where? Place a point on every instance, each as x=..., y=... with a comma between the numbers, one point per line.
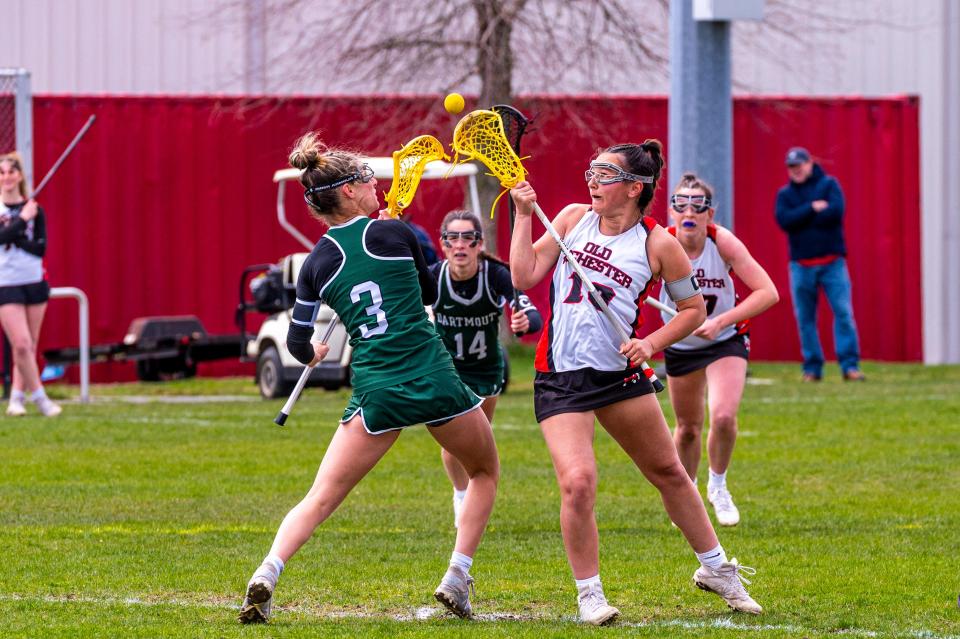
x=162, y=347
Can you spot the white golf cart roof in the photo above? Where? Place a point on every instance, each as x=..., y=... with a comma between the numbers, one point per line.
x=383, y=170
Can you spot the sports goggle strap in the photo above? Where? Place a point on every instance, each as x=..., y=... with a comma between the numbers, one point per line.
x=319, y=188
x=409, y=164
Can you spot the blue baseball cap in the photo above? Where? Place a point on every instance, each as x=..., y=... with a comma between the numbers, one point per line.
x=797, y=155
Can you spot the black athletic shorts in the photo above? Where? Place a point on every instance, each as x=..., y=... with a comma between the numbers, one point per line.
x=681, y=363
x=585, y=389
x=36, y=293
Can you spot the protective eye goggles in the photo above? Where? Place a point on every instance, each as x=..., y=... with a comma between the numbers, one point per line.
x=364, y=174
x=608, y=173
x=699, y=203
x=449, y=237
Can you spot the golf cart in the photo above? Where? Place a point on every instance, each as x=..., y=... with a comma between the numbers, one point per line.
x=273, y=291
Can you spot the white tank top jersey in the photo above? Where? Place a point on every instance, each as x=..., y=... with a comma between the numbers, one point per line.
x=578, y=335
x=17, y=266
x=713, y=276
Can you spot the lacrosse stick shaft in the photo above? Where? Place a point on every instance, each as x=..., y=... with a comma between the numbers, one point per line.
x=516, y=291
x=63, y=156
x=281, y=418
x=594, y=293
x=660, y=306
x=505, y=112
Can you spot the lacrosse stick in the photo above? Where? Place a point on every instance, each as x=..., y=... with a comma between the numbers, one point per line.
x=480, y=136
x=63, y=156
x=660, y=306
x=514, y=125
x=281, y=417
x=408, y=166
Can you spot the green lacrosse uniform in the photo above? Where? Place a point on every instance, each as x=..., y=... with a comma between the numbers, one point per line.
x=470, y=327
x=378, y=301
x=367, y=271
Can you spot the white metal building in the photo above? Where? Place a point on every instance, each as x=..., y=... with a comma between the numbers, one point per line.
x=874, y=47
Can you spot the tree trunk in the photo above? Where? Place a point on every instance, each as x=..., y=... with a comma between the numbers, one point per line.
x=495, y=66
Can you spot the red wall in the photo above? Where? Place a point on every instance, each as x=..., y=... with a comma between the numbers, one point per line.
x=167, y=199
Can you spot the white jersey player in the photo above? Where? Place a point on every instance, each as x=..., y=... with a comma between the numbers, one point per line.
x=712, y=362
x=584, y=372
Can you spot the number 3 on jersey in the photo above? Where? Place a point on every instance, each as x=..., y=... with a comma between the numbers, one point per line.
x=374, y=310
x=478, y=347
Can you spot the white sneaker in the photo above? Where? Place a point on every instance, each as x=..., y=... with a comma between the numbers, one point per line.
x=725, y=581
x=454, y=592
x=594, y=608
x=457, y=507
x=259, y=598
x=723, y=506
x=47, y=407
x=16, y=408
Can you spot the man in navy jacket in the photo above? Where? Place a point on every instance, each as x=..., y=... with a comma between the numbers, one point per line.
x=810, y=210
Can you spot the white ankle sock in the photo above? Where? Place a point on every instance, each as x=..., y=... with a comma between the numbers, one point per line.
x=461, y=561
x=583, y=584
x=38, y=394
x=270, y=567
x=17, y=396
x=459, y=494
x=717, y=480
x=712, y=558
x=274, y=562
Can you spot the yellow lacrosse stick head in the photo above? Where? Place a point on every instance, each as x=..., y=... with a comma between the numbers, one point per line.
x=408, y=166
x=480, y=136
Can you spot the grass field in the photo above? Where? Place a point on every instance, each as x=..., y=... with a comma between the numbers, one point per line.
x=143, y=514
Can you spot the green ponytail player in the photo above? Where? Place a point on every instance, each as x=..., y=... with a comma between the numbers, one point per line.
x=473, y=289
x=373, y=275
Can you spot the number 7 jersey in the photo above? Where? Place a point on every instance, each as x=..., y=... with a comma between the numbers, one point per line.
x=713, y=277
x=578, y=335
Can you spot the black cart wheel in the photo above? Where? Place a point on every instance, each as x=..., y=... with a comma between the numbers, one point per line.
x=270, y=375
x=148, y=370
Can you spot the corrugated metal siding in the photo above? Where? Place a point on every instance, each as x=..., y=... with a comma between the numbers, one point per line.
x=872, y=147
x=197, y=47
x=168, y=199
x=123, y=46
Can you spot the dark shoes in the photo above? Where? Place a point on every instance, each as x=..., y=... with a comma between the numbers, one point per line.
x=854, y=375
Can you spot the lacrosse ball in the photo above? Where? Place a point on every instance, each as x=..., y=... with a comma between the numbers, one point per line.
x=453, y=103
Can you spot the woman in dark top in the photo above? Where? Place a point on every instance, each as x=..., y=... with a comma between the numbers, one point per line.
x=473, y=287
x=372, y=274
x=23, y=288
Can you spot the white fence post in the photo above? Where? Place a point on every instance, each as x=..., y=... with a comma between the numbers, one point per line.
x=60, y=292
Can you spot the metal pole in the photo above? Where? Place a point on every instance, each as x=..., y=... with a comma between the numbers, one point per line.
x=84, y=317
x=950, y=250
x=23, y=111
x=701, y=108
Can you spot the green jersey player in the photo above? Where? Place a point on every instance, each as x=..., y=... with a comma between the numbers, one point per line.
x=372, y=273
x=473, y=289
